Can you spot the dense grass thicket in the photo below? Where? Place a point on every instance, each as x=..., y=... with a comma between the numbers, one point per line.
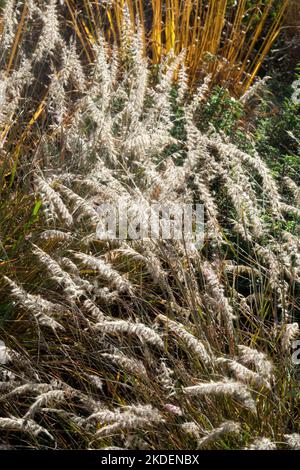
x=145, y=344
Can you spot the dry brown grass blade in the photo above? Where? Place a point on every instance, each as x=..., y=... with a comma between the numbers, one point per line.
x=18, y=37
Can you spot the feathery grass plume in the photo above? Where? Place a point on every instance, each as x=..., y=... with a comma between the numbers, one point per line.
x=233, y=156
x=182, y=84
x=254, y=90
x=135, y=442
x=130, y=365
x=291, y=256
x=213, y=227
x=50, y=36
x=57, y=99
x=216, y=291
x=143, y=332
x=54, y=199
x=273, y=263
x=199, y=95
x=243, y=374
x=269, y=184
x=165, y=378
x=95, y=381
x=92, y=309
x=4, y=354
x=226, y=388
x=192, y=429
x=286, y=208
x=131, y=417
x=228, y=427
x=192, y=343
x=72, y=69
x=251, y=356
x=293, y=187
x=40, y=308
x=238, y=184
x=82, y=207
x=154, y=266
x=293, y=441
x=127, y=32
x=45, y=399
x=9, y=22
x=104, y=295
x=262, y=443
x=27, y=389
x=106, y=271
x=21, y=366
x=58, y=274
x=69, y=266
x=56, y=235
x=129, y=251
x=12, y=88
x=7, y=382
x=103, y=135
x=101, y=73
x=23, y=425
x=290, y=331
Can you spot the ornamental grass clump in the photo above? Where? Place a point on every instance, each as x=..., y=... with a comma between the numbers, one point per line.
x=136, y=343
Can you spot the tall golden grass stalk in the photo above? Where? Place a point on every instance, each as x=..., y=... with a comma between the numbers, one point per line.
x=228, y=40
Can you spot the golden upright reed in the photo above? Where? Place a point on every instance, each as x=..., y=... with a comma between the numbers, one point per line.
x=228, y=39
